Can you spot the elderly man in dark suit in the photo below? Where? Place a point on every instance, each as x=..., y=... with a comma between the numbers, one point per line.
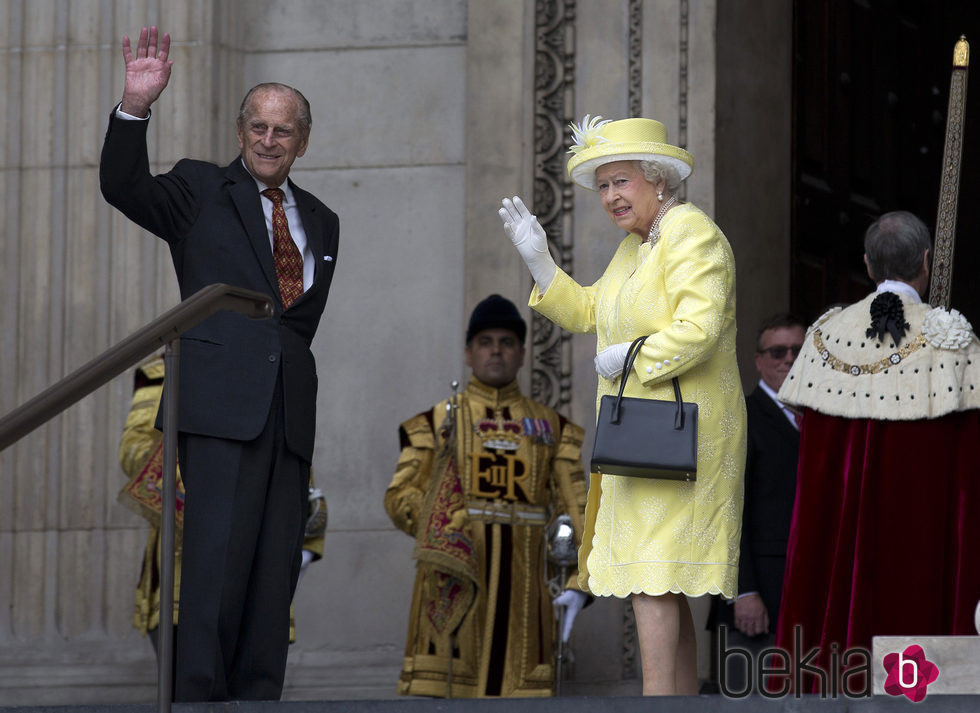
x=770, y=488
x=247, y=393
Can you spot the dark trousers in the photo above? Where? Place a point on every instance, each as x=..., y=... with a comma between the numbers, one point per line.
x=244, y=515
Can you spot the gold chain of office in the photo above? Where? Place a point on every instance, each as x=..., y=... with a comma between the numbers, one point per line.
x=872, y=368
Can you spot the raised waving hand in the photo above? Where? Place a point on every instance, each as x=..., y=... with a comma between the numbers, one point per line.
x=147, y=72
x=529, y=238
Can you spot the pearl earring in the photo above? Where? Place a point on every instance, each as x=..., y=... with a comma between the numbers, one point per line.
x=660, y=195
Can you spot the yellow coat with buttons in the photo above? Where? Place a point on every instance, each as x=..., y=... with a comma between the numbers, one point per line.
x=654, y=535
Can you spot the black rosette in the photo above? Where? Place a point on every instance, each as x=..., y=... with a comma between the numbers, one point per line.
x=887, y=315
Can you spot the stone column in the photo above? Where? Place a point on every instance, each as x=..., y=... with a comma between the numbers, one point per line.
x=77, y=277
x=500, y=112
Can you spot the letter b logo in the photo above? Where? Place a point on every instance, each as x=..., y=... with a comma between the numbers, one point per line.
x=909, y=673
x=905, y=664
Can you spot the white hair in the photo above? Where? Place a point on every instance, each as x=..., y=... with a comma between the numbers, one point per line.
x=655, y=171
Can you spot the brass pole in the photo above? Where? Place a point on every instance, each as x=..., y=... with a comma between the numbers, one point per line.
x=949, y=184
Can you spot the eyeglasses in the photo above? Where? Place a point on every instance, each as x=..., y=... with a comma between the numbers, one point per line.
x=779, y=351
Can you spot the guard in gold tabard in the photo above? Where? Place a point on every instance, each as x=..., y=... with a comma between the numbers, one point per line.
x=480, y=478
x=141, y=458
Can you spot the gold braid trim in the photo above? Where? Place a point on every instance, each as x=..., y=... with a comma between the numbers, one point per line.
x=874, y=367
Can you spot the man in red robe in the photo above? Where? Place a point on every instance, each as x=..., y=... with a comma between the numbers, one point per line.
x=885, y=538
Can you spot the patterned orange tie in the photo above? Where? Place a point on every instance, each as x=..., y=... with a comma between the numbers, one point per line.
x=289, y=263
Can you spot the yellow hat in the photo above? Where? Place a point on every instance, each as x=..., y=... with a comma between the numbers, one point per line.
x=599, y=142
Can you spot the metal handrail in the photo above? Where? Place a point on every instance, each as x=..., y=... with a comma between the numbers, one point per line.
x=161, y=332
x=112, y=362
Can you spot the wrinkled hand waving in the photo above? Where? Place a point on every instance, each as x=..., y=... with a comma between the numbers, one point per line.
x=147, y=72
x=529, y=238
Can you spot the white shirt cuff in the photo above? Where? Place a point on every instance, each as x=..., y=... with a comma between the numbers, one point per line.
x=120, y=114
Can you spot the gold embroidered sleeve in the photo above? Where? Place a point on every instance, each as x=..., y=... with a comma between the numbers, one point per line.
x=139, y=436
x=406, y=493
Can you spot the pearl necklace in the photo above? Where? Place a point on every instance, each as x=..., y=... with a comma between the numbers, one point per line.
x=654, y=235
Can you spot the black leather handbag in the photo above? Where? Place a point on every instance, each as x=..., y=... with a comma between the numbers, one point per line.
x=646, y=438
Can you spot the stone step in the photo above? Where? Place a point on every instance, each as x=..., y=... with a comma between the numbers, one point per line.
x=584, y=704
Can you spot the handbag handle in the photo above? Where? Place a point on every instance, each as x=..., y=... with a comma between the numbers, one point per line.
x=627, y=368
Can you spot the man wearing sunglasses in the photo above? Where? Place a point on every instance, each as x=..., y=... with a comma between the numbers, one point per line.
x=770, y=486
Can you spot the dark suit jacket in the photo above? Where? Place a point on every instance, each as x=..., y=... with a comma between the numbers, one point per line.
x=213, y=221
x=770, y=489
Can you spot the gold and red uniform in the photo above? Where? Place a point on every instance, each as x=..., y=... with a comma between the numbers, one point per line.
x=478, y=498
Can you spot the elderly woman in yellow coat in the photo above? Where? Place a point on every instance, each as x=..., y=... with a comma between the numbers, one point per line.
x=672, y=278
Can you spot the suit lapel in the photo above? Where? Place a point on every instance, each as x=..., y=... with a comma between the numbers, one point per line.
x=247, y=201
x=774, y=413
x=313, y=228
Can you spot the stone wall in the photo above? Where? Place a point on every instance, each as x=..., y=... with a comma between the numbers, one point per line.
x=425, y=115
x=387, y=152
x=77, y=277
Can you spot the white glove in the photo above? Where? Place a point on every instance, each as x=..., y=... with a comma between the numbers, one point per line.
x=530, y=240
x=307, y=558
x=609, y=362
x=571, y=601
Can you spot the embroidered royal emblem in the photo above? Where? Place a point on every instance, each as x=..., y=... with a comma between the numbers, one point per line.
x=499, y=433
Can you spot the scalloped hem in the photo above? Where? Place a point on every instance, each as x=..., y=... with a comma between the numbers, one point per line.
x=675, y=588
